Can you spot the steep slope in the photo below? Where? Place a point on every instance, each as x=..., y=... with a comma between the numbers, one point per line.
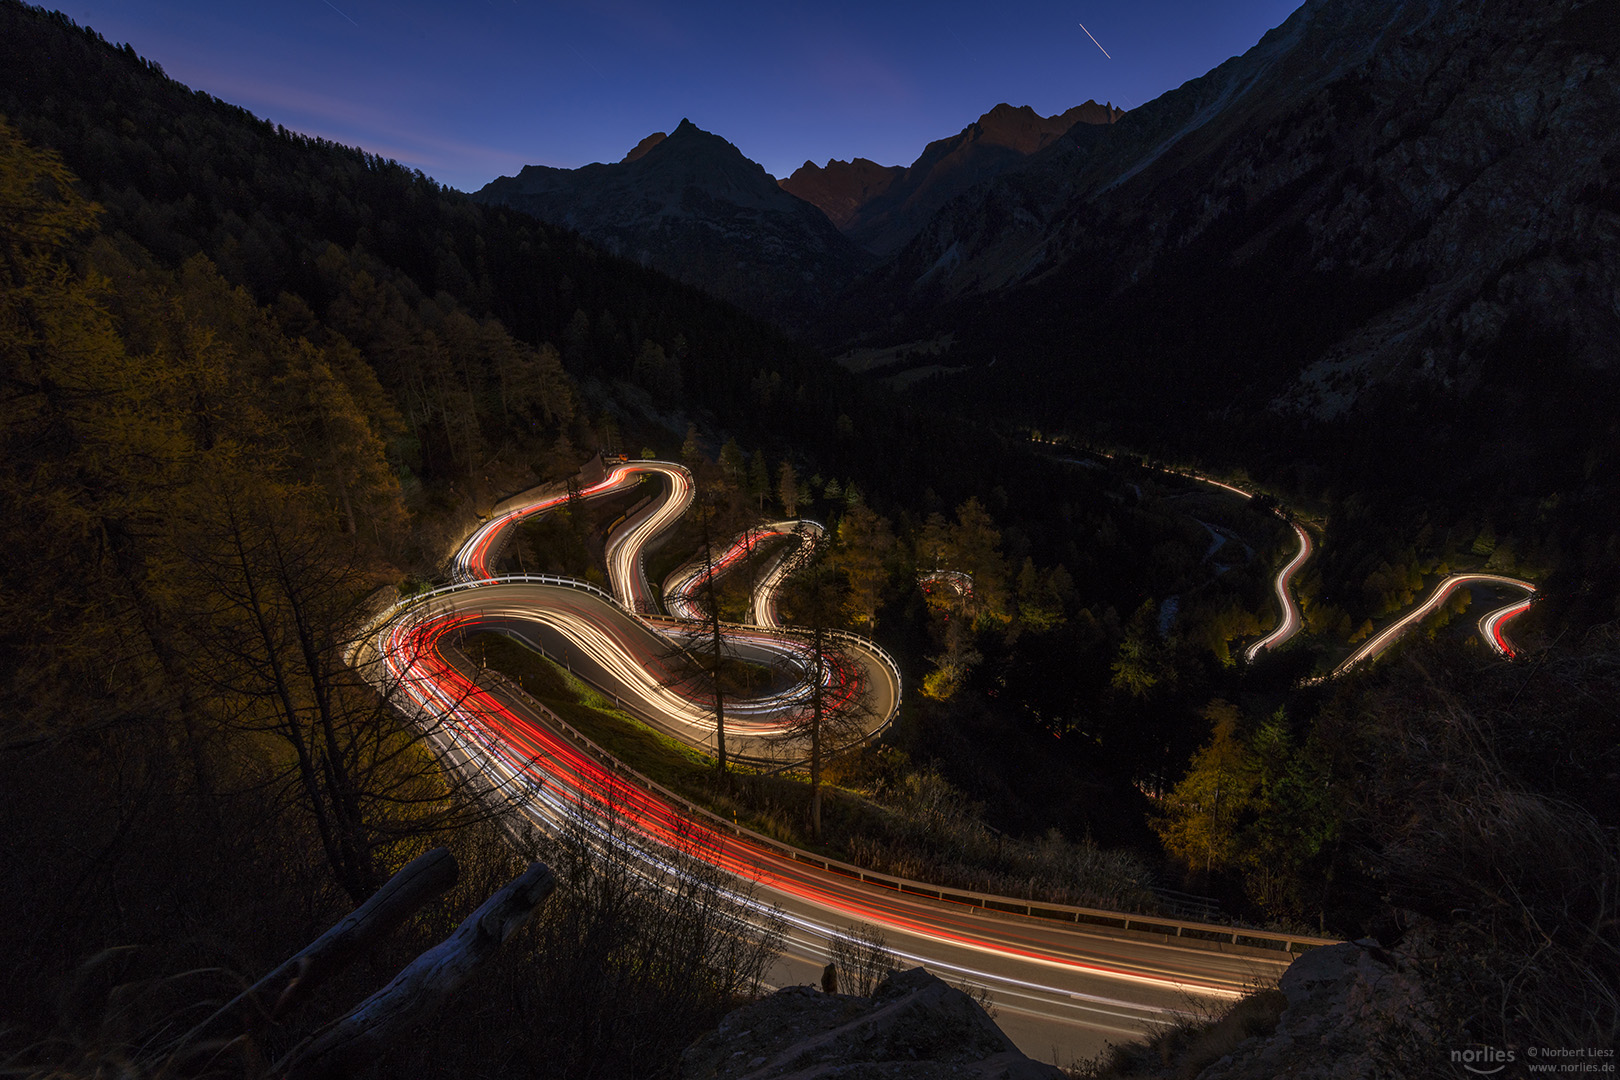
x=1398, y=209
x=426, y=283
x=882, y=208
x=694, y=207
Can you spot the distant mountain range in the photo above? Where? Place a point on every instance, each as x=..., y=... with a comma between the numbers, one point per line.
x=1390, y=216
x=882, y=207
x=1380, y=194
x=692, y=205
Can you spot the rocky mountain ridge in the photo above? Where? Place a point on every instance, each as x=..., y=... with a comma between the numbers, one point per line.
x=882, y=207
x=1438, y=177
x=691, y=205
x=842, y=188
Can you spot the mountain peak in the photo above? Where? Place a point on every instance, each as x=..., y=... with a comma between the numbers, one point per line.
x=881, y=208
x=1023, y=130
x=843, y=187
x=1004, y=111
x=693, y=205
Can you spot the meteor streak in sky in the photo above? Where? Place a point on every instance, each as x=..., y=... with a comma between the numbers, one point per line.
x=1094, y=41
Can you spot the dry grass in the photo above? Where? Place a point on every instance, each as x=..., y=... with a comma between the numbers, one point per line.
x=1198, y=1040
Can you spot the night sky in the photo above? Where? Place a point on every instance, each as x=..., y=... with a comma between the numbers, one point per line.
x=468, y=91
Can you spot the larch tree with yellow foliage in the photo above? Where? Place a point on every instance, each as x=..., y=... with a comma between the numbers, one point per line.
x=1201, y=819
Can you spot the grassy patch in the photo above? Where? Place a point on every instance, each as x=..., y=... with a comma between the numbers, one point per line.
x=923, y=830
x=777, y=806
x=651, y=753
x=1191, y=1046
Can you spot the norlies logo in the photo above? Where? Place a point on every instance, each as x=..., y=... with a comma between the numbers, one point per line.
x=1484, y=1061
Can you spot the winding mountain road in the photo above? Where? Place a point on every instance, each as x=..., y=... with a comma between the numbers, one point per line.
x=1293, y=620
x=1066, y=979
x=1491, y=627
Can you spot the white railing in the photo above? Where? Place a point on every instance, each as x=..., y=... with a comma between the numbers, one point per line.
x=652, y=622
x=1186, y=932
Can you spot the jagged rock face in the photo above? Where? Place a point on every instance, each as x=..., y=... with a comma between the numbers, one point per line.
x=1467, y=152
x=1353, y=1012
x=694, y=207
x=881, y=207
x=914, y=1027
x=843, y=187
x=641, y=148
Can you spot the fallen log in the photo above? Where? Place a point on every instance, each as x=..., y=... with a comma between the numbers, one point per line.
x=279, y=992
x=353, y=1041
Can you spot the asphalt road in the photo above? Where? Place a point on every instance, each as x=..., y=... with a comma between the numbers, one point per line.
x=1491, y=627
x=1062, y=990
x=1059, y=989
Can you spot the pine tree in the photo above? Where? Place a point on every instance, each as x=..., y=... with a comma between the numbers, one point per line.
x=759, y=479
x=974, y=547
x=733, y=464
x=692, y=449
x=787, y=489
x=833, y=718
x=865, y=542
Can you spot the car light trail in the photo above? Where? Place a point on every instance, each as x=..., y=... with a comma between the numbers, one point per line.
x=1292, y=619
x=810, y=535
x=1061, y=976
x=1490, y=627
x=956, y=581
x=624, y=571
x=1392, y=633
x=681, y=590
x=566, y=784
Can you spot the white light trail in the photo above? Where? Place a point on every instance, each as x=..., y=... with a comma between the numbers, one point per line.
x=1393, y=632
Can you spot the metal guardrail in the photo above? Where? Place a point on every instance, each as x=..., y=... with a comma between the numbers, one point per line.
x=1184, y=932
x=505, y=579
x=652, y=623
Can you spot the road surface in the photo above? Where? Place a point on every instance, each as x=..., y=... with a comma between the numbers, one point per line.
x=1063, y=989
x=1490, y=627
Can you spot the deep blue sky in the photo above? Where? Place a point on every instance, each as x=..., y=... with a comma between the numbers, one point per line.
x=470, y=90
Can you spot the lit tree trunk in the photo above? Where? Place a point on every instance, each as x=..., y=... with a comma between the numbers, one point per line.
x=815, y=736
x=714, y=628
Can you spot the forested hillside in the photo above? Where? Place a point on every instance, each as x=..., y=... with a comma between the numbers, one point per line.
x=394, y=262
x=254, y=383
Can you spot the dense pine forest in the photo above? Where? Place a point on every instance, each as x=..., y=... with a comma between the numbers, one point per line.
x=258, y=384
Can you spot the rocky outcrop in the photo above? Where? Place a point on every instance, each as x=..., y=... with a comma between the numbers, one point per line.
x=692, y=206
x=1340, y=1012
x=914, y=1027
x=881, y=208
x=1351, y=1011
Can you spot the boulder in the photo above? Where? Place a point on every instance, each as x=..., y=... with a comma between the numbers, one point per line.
x=914, y=1026
x=1352, y=1010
